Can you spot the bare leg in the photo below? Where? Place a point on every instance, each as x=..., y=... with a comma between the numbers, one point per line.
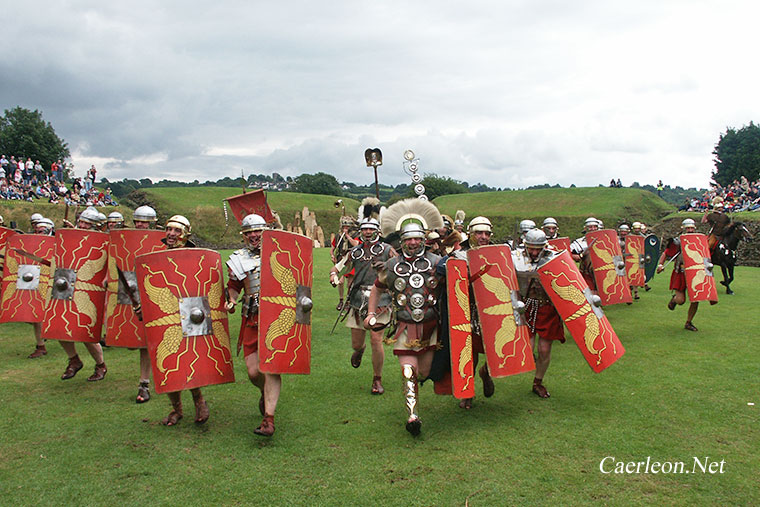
x=358, y=338
x=542, y=364
x=256, y=377
x=40, y=349
x=143, y=390
x=378, y=358
x=201, y=407
x=693, y=307
x=96, y=351
x=176, y=414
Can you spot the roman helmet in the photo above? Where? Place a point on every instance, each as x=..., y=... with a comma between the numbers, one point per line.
x=90, y=215
x=479, y=223
x=44, y=226
x=183, y=224
x=624, y=228
x=535, y=238
x=411, y=218
x=688, y=222
x=36, y=217
x=253, y=222
x=527, y=225
x=115, y=218
x=591, y=222
x=144, y=214
x=636, y=226
x=371, y=223
x=550, y=226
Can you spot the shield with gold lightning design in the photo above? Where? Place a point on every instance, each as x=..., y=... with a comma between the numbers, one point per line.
x=560, y=244
x=5, y=233
x=635, y=260
x=76, y=301
x=698, y=268
x=581, y=312
x=609, y=267
x=506, y=335
x=285, y=303
x=123, y=328
x=181, y=293
x=26, y=280
x=460, y=329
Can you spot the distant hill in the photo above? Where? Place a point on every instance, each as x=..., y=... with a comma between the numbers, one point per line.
x=570, y=206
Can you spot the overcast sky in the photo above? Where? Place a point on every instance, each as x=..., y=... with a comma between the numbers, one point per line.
x=507, y=93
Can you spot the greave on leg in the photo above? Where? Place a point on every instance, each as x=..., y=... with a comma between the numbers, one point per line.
x=410, y=394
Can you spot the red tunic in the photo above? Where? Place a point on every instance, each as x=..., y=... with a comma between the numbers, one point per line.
x=248, y=338
x=677, y=277
x=548, y=324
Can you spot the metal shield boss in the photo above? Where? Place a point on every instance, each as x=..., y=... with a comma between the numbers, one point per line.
x=506, y=336
x=185, y=319
x=698, y=268
x=560, y=244
x=5, y=234
x=635, y=260
x=460, y=329
x=581, y=312
x=76, y=302
x=285, y=303
x=651, y=255
x=250, y=202
x=609, y=267
x=26, y=279
x=123, y=328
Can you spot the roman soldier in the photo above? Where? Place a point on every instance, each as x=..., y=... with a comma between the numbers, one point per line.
x=579, y=252
x=178, y=232
x=244, y=270
x=479, y=232
x=623, y=231
x=363, y=259
x=525, y=226
x=674, y=254
x=338, y=252
x=115, y=220
x=719, y=222
x=415, y=289
x=541, y=315
x=144, y=217
x=550, y=228
x=459, y=217
x=89, y=219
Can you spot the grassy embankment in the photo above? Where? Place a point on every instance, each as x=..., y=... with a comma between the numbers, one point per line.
x=673, y=396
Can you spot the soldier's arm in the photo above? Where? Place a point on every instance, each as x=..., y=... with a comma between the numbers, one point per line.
x=704, y=217
x=352, y=241
x=374, y=296
x=660, y=263
x=335, y=270
x=233, y=291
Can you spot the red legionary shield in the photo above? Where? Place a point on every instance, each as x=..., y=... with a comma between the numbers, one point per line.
x=609, y=267
x=76, y=303
x=698, y=268
x=576, y=305
x=181, y=293
x=460, y=329
x=635, y=260
x=250, y=202
x=5, y=233
x=123, y=328
x=560, y=244
x=506, y=336
x=26, y=277
x=285, y=303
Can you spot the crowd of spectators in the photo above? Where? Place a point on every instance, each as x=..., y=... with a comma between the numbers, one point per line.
x=741, y=195
x=25, y=180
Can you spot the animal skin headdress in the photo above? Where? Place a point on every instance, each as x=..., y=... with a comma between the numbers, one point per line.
x=369, y=208
x=410, y=210
x=459, y=217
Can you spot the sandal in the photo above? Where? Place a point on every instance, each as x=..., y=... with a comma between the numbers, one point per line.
x=201, y=410
x=377, y=386
x=38, y=352
x=672, y=305
x=75, y=364
x=488, y=387
x=356, y=357
x=414, y=425
x=266, y=428
x=539, y=389
x=339, y=307
x=466, y=403
x=143, y=392
x=174, y=416
x=690, y=327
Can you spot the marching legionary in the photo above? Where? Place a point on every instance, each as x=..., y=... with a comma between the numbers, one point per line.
x=363, y=259
x=719, y=222
x=640, y=229
x=244, y=270
x=674, y=253
x=545, y=323
x=525, y=226
x=550, y=228
x=25, y=277
x=415, y=289
x=580, y=254
x=144, y=218
x=115, y=220
x=623, y=231
x=339, y=252
x=89, y=219
x=479, y=232
x=178, y=233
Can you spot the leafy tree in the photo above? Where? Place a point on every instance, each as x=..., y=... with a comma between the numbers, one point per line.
x=436, y=186
x=26, y=133
x=737, y=154
x=320, y=183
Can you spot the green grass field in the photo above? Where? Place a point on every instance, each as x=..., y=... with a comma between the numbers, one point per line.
x=673, y=396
